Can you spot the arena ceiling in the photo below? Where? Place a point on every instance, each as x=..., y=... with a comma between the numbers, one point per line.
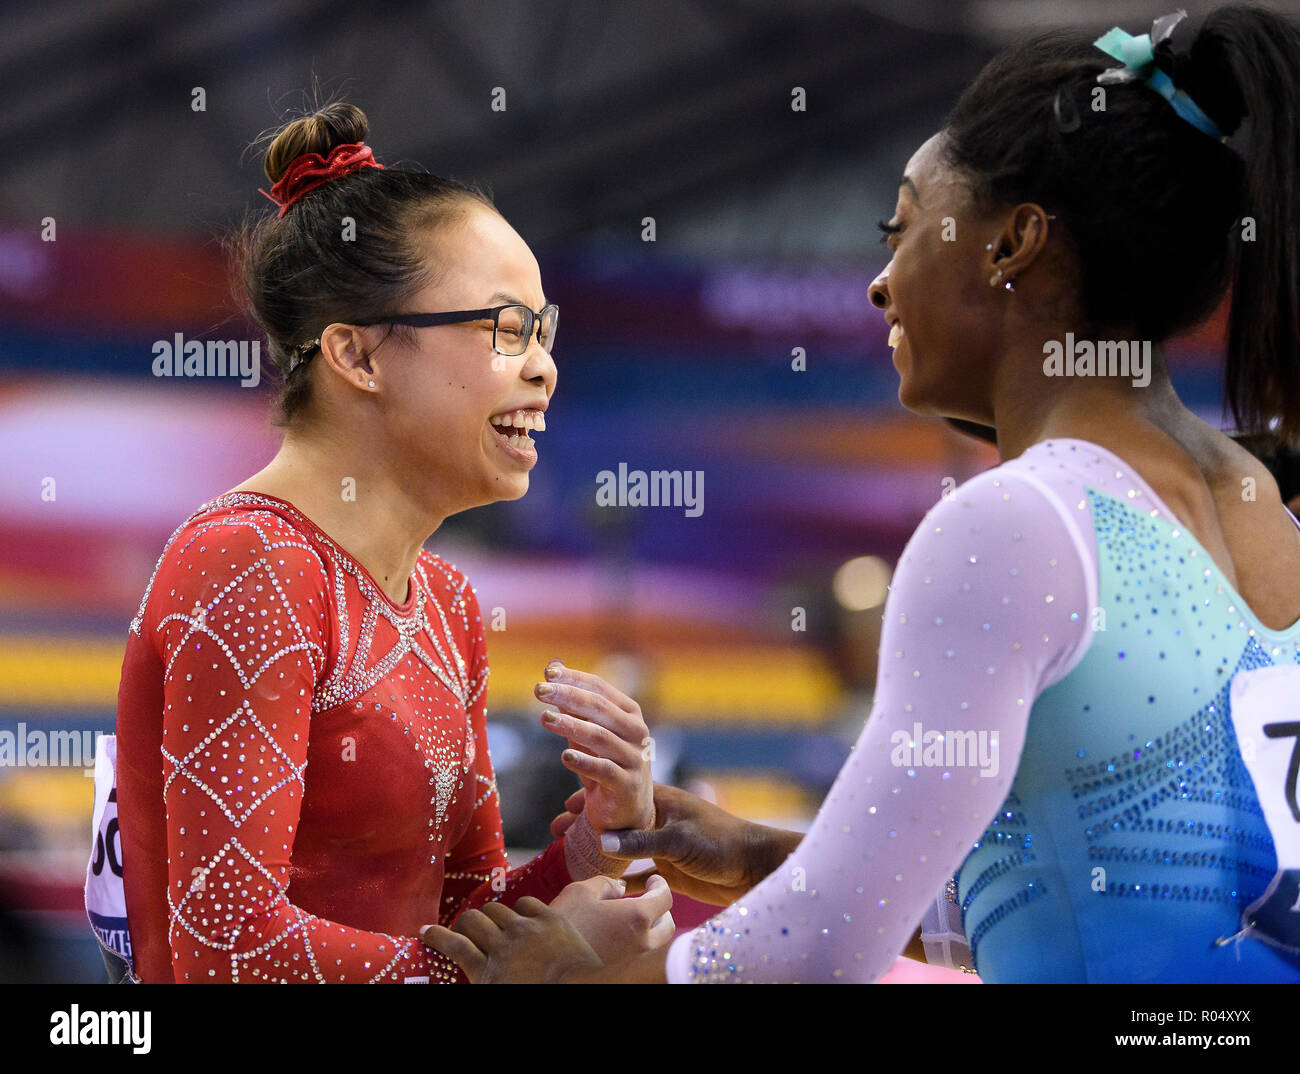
x=677, y=109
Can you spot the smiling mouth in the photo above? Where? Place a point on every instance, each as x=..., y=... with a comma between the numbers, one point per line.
x=895, y=334
x=514, y=427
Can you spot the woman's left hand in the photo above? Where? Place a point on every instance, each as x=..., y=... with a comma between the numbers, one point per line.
x=609, y=746
x=531, y=944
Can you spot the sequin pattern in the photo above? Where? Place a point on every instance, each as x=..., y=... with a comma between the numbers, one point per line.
x=1055, y=602
x=324, y=780
x=1140, y=743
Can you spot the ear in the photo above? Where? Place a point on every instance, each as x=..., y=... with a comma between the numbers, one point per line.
x=1022, y=239
x=348, y=349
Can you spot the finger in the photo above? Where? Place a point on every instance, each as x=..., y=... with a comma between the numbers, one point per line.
x=593, y=738
x=668, y=843
x=598, y=769
x=499, y=914
x=661, y=932
x=602, y=887
x=657, y=900
x=579, y=748
x=527, y=906
x=562, y=824
x=636, y=881
x=457, y=948
x=592, y=706
x=594, y=683
x=670, y=801
x=480, y=929
x=615, y=887
x=575, y=802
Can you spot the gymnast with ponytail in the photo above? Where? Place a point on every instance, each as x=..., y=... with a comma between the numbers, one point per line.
x=1083, y=728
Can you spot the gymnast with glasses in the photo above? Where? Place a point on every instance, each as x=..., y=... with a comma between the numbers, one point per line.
x=302, y=773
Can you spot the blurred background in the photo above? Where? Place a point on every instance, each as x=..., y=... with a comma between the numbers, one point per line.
x=709, y=244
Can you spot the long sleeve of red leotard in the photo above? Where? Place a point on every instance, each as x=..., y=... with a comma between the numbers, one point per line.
x=241, y=626
x=476, y=868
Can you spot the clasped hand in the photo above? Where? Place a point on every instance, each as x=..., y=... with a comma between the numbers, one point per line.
x=609, y=746
x=702, y=850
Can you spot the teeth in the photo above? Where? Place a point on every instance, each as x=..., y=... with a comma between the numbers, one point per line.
x=895, y=335
x=520, y=419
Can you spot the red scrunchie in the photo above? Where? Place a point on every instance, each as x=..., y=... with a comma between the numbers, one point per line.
x=311, y=170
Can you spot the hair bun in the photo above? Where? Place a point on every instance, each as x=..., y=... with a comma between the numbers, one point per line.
x=339, y=123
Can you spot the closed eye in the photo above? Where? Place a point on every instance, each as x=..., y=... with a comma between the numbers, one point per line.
x=888, y=229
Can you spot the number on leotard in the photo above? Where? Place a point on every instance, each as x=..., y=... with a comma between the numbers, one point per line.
x=1265, y=707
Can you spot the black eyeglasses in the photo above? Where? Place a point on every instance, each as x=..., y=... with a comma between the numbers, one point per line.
x=513, y=327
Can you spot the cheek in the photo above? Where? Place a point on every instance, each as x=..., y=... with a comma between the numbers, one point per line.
x=935, y=290
x=442, y=393
x=427, y=418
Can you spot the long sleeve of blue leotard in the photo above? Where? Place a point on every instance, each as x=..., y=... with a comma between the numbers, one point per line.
x=988, y=606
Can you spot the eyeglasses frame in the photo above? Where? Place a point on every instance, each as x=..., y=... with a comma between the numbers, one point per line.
x=434, y=320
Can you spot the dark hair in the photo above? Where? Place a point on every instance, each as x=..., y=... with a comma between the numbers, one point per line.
x=296, y=274
x=1154, y=207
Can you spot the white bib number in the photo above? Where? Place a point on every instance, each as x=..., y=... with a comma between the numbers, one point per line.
x=105, y=896
x=1266, y=716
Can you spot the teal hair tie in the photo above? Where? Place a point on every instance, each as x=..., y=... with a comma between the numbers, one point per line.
x=1138, y=55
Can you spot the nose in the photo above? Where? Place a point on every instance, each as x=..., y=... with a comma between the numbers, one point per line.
x=539, y=367
x=878, y=289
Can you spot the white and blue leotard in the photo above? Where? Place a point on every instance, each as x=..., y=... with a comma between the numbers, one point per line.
x=1053, y=725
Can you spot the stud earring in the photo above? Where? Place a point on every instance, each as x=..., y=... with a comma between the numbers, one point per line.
x=372, y=383
x=1010, y=286
x=989, y=246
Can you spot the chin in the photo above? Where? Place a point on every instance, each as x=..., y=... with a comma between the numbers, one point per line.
x=927, y=400
x=914, y=399
x=509, y=487
x=910, y=394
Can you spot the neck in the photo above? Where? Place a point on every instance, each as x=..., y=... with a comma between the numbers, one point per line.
x=1029, y=406
x=353, y=497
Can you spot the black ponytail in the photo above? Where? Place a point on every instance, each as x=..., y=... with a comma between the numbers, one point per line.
x=1258, y=54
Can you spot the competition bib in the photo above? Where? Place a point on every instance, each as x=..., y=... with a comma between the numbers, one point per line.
x=105, y=897
x=941, y=933
x=1266, y=716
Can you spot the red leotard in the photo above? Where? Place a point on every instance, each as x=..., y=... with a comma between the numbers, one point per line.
x=303, y=777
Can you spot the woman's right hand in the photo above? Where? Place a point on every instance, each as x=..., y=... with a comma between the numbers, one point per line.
x=618, y=928
x=702, y=851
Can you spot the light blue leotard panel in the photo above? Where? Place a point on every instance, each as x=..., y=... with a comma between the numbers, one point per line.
x=1133, y=836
